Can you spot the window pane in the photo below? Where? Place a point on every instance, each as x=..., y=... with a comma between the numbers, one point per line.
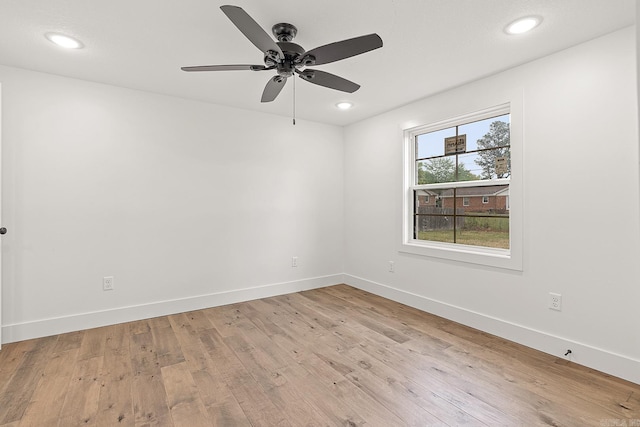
x=480, y=217
x=468, y=168
x=469, y=230
x=424, y=199
x=434, y=202
x=490, y=164
x=486, y=134
x=432, y=144
x=481, y=231
x=490, y=200
x=434, y=228
x=440, y=169
x=434, y=219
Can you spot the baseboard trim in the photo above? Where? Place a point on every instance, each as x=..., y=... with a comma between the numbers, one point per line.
x=584, y=354
x=53, y=326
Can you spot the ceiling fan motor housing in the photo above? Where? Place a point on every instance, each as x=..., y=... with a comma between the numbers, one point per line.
x=292, y=52
x=284, y=32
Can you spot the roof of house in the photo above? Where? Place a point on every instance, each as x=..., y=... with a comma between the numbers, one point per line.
x=491, y=190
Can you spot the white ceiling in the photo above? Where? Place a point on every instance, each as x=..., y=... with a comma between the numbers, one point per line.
x=429, y=45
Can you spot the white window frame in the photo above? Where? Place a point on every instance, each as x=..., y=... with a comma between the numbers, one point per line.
x=485, y=199
x=466, y=201
x=494, y=257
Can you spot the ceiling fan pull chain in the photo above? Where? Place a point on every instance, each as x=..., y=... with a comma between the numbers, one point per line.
x=294, y=100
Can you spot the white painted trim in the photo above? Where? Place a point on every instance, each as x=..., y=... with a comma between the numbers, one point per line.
x=463, y=118
x=53, y=326
x=584, y=354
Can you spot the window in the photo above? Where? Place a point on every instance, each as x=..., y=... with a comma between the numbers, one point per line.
x=466, y=164
x=457, y=163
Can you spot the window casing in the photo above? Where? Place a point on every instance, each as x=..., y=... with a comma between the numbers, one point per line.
x=475, y=195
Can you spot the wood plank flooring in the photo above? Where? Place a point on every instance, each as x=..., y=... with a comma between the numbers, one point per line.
x=336, y=356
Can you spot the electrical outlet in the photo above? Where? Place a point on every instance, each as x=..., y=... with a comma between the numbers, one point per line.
x=392, y=266
x=107, y=283
x=294, y=261
x=555, y=301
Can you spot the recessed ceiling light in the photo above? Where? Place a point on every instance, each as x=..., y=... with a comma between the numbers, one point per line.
x=64, y=41
x=523, y=25
x=344, y=105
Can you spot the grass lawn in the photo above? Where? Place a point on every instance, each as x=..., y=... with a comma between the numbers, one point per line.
x=492, y=239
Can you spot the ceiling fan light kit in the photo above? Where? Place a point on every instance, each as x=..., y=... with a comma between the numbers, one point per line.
x=287, y=58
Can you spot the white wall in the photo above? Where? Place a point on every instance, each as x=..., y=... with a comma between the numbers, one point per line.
x=186, y=204
x=581, y=210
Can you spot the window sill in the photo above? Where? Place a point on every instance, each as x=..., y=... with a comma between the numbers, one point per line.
x=492, y=257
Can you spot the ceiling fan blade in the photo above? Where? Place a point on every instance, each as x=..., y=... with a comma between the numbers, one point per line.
x=345, y=49
x=250, y=28
x=273, y=88
x=329, y=80
x=224, y=68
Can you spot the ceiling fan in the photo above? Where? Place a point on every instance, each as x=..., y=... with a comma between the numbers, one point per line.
x=288, y=58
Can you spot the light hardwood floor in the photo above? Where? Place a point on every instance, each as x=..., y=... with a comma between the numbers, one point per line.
x=336, y=356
